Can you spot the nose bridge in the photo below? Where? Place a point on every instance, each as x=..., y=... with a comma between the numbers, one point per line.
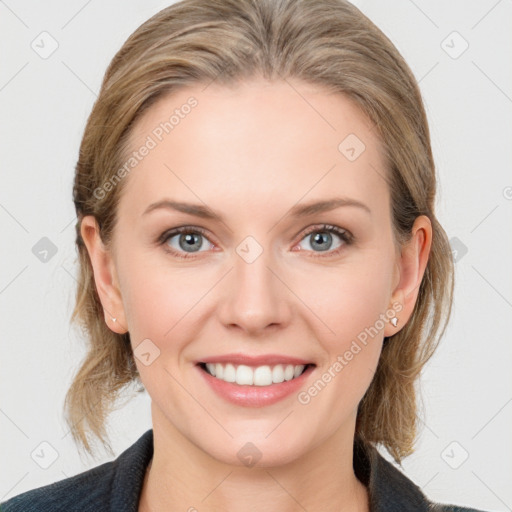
x=256, y=297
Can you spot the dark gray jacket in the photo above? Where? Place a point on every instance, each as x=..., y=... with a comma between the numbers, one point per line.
x=115, y=486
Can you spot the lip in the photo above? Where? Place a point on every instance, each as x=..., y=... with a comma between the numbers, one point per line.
x=261, y=360
x=254, y=396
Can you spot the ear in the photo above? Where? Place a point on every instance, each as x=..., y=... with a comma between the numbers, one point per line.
x=105, y=275
x=411, y=266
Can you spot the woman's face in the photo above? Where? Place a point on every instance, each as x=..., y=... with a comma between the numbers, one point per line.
x=262, y=276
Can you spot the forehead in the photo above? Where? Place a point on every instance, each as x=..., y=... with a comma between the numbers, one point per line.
x=253, y=144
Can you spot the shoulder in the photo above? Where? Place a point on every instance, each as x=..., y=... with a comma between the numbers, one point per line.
x=86, y=489
x=114, y=485
x=442, y=507
x=389, y=488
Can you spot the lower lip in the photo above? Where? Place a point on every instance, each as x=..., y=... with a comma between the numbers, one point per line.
x=255, y=396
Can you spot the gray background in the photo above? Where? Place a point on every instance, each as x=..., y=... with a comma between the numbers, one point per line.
x=464, y=449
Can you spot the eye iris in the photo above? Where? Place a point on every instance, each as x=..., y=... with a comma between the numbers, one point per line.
x=190, y=241
x=322, y=236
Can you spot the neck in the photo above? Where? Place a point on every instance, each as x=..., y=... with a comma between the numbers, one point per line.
x=181, y=476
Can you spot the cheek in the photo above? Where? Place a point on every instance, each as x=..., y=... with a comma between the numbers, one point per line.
x=157, y=300
x=350, y=333
x=350, y=298
x=160, y=306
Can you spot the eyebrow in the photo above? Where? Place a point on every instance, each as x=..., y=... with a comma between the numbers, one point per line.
x=301, y=210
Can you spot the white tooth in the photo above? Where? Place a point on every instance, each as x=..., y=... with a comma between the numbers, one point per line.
x=262, y=376
x=244, y=375
x=288, y=372
x=298, y=370
x=278, y=374
x=229, y=373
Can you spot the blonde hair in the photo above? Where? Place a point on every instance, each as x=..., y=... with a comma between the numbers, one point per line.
x=328, y=43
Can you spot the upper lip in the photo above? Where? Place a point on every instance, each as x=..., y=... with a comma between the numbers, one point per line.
x=261, y=360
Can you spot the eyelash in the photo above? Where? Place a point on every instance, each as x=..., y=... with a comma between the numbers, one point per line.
x=347, y=238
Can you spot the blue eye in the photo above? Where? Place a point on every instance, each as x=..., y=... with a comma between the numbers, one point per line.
x=191, y=240
x=322, y=239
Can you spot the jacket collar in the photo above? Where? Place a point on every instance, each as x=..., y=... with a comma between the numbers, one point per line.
x=388, y=488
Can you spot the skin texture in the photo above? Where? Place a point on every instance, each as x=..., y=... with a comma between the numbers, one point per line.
x=251, y=153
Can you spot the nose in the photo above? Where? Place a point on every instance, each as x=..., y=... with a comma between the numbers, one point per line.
x=256, y=299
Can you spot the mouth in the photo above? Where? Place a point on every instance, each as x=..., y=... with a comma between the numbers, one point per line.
x=264, y=375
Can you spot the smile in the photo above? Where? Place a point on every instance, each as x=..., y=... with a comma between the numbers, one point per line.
x=244, y=375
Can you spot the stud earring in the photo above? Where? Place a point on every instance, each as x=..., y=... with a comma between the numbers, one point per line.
x=394, y=321
x=114, y=319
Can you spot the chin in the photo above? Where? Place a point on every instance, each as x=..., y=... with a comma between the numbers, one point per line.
x=256, y=450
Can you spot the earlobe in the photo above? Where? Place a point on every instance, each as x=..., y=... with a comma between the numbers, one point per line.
x=114, y=324
x=104, y=275
x=397, y=321
x=413, y=262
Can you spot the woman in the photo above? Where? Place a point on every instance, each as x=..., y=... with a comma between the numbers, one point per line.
x=258, y=249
